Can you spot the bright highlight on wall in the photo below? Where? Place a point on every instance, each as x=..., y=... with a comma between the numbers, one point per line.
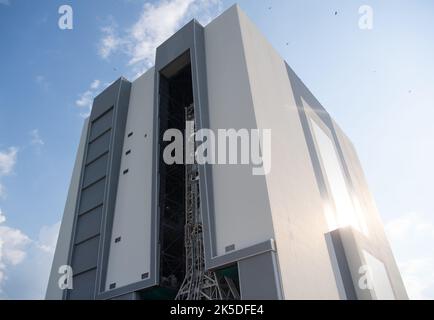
x=344, y=212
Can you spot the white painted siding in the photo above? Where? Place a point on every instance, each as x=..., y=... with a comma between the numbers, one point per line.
x=130, y=258
x=344, y=214
x=296, y=204
x=242, y=212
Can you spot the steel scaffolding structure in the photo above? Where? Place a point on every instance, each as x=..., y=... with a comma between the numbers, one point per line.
x=180, y=205
x=198, y=283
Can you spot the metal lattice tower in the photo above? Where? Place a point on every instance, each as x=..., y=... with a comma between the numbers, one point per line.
x=198, y=284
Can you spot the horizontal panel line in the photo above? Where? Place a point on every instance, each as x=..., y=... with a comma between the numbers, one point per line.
x=99, y=136
x=97, y=158
x=87, y=239
x=83, y=272
x=84, y=188
x=102, y=114
x=99, y=155
x=93, y=208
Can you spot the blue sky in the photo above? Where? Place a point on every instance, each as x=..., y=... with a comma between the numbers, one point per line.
x=377, y=84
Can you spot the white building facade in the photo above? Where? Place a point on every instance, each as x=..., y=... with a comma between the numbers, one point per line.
x=308, y=229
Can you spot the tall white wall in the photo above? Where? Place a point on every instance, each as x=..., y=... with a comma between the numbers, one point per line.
x=130, y=258
x=297, y=212
x=242, y=212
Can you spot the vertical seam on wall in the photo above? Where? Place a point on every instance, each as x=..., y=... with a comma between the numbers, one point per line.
x=104, y=227
x=155, y=177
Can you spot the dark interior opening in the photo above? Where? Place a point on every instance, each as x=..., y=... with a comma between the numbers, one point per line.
x=176, y=93
x=175, y=96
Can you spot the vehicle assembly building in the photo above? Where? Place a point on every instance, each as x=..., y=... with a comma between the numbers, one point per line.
x=135, y=227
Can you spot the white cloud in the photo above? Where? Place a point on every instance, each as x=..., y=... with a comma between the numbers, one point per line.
x=85, y=99
x=95, y=84
x=5, y=2
x=110, y=42
x=13, y=245
x=25, y=264
x=8, y=160
x=29, y=279
x=47, y=239
x=411, y=237
x=157, y=22
x=36, y=139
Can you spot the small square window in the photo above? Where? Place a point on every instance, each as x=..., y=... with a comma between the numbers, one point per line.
x=128, y=152
x=117, y=240
x=230, y=248
x=126, y=171
x=112, y=286
x=145, y=275
x=130, y=134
